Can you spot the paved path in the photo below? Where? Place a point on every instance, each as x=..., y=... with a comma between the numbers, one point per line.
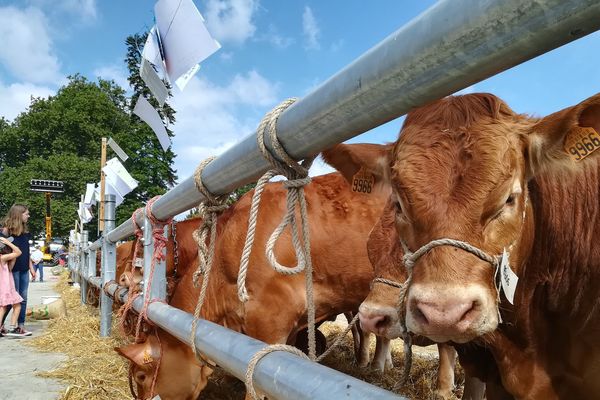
x=19, y=363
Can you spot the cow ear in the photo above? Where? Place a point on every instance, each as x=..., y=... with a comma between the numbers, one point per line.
x=141, y=354
x=348, y=159
x=565, y=139
x=383, y=246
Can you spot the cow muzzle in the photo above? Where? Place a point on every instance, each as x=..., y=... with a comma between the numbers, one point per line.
x=381, y=320
x=451, y=314
x=443, y=312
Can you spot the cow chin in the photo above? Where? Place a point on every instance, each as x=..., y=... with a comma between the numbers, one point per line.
x=451, y=314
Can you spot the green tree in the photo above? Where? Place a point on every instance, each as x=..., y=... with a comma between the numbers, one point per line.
x=59, y=138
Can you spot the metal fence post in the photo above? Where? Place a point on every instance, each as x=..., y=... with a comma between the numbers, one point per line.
x=158, y=286
x=109, y=259
x=71, y=246
x=83, y=276
x=91, y=268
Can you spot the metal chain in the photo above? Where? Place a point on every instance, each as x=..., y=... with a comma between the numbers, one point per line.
x=175, y=248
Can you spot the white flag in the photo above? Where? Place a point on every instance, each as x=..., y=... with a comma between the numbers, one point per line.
x=149, y=115
x=89, y=198
x=117, y=176
x=184, y=38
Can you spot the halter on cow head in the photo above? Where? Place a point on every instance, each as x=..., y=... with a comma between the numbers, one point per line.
x=460, y=171
x=184, y=378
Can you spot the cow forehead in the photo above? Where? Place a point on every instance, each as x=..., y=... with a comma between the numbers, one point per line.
x=445, y=165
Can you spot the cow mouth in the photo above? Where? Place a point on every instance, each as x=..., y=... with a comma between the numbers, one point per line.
x=458, y=334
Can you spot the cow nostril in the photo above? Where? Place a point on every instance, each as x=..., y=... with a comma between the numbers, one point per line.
x=419, y=316
x=471, y=311
x=383, y=322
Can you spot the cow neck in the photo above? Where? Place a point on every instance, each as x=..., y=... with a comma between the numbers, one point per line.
x=563, y=256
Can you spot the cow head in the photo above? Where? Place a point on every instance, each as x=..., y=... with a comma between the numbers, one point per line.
x=459, y=170
x=180, y=376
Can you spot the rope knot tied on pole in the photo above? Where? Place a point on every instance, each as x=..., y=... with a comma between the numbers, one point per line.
x=209, y=212
x=297, y=175
x=160, y=244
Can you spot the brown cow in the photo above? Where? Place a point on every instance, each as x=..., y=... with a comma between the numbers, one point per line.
x=469, y=169
x=382, y=296
x=340, y=221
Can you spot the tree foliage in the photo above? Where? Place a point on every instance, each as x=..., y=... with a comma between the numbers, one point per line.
x=59, y=138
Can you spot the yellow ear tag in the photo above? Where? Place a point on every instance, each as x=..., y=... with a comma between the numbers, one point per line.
x=147, y=357
x=363, y=181
x=581, y=142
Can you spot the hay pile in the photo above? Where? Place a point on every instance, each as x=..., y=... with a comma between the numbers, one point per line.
x=93, y=369
x=423, y=376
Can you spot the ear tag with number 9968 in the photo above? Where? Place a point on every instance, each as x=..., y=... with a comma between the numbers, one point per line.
x=363, y=181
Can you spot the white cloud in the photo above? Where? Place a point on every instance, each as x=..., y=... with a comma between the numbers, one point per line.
x=311, y=30
x=189, y=157
x=27, y=49
x=226, y=56
x=231, y=20
x=16, y=98
x=275, y=38
x=115, y=72
x=211, y=118
x=253, y=89
x=84, y=10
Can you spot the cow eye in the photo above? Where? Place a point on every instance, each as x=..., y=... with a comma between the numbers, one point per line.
x=140, y=377
x=398, y=207
x=511, y=200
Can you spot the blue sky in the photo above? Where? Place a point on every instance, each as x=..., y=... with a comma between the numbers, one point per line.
x=271, y=50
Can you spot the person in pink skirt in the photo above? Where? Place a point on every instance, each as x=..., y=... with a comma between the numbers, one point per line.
x=8, y=293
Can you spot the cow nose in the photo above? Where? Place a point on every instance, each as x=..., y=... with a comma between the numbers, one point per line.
x=454, y=313
x=372, y=322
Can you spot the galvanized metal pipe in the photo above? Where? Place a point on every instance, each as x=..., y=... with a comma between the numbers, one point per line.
x=96, y=281
x=280, y=375
x=83, y=266
x=450, y=46
x=96, y=245
x=109, y=262
x=158, y=285
x=91, y=267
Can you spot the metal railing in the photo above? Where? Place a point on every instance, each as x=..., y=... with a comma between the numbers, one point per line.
x=450, y=46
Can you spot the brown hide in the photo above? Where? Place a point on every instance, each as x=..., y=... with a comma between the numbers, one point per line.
x=469, y=168
x=340, y=221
